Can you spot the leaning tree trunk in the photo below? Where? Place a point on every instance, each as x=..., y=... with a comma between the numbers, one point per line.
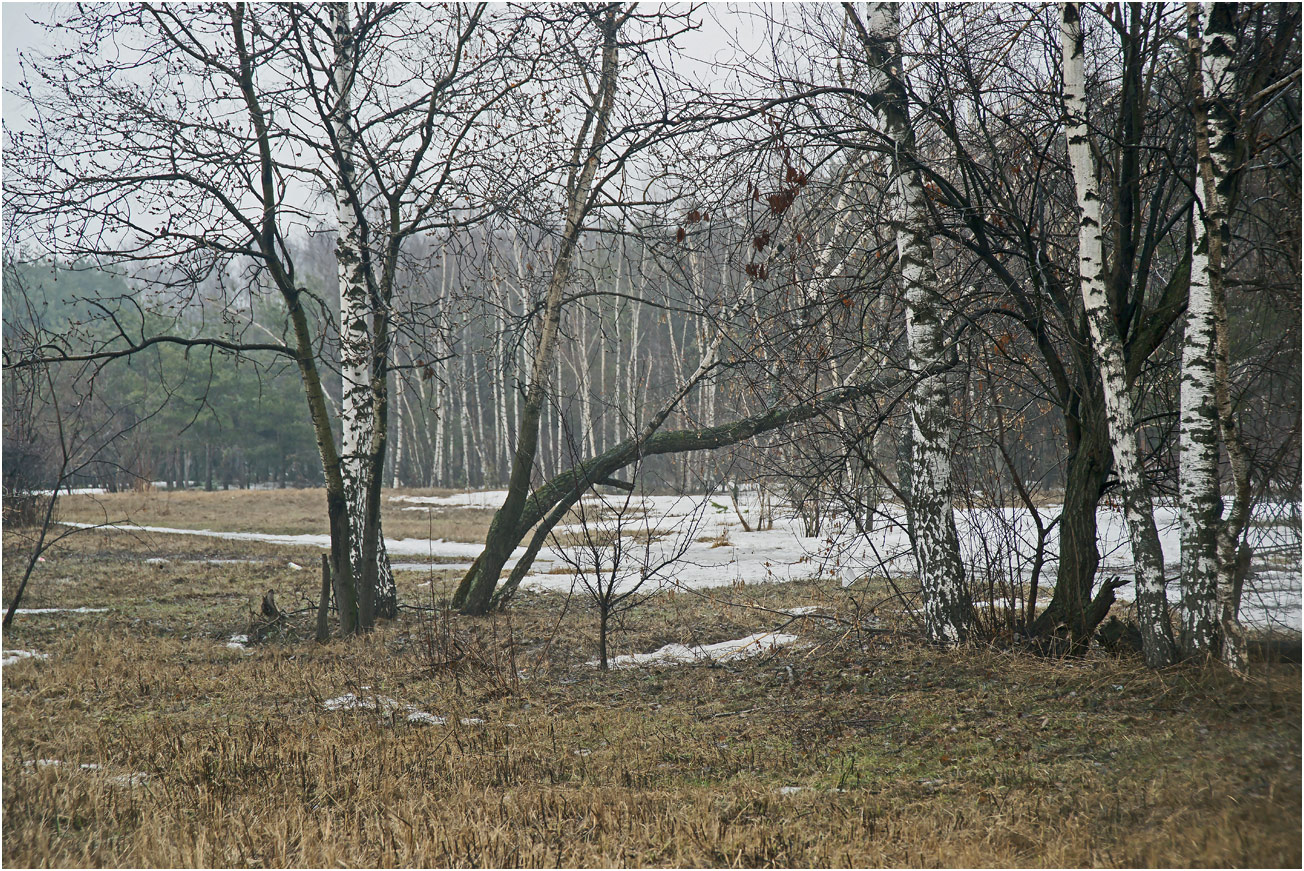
x=948, y=611
x=474, y=594
x=1152, y=605
x=1215, y=137
x=548, y=505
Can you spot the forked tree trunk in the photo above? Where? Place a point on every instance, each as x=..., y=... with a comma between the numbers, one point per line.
x=473, y=596
x=1088, y=465
x=948, y=611
x=1152, y=606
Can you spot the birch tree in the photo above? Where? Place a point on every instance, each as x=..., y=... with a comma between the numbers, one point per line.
x=408, y=100
x=1210, y=625
x=357, y=412
x=946, y=605
x=1151, y=601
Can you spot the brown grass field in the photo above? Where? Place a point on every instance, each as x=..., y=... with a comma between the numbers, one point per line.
x=904, y=755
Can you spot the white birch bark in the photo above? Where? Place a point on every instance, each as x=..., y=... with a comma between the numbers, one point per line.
x=1201, y=502
x=502, y=365
x=947, y=609
x=357, y=411
x=464, y=415
x=1152, y=606
x=400, y=432
x=1216, y=119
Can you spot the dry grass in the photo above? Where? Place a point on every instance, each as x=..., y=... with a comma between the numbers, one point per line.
x=906, y=755
x=282, y=512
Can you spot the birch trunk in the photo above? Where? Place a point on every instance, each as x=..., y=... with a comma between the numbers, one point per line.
x=1152, y=605
x=357, y=402
x=948, y=612
x=1201, y=500
x=400, y=435
x=1215, y=128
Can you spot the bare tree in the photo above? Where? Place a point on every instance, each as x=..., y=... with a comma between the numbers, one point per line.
x=1151, y=600
x=946, y=604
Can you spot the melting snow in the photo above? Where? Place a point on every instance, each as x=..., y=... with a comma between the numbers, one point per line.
x=385, y=705
x=724, y=651
x=490, y=499
x=12, y=656
x=136, y=778
x=351, y=702
x=784, y=553
x=397, y=547
x=424, y=719
x=61, y=610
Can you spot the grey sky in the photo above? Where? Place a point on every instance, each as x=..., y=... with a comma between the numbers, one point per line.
x=17, y=32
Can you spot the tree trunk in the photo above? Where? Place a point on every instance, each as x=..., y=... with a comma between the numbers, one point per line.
x=1152, y=606
x=357, y=422
x=1215, y=135
x=1200, y=493
x=948, y=611
x=269, y=244
x=550, y=502
x=503, y=529
x=1087, y=467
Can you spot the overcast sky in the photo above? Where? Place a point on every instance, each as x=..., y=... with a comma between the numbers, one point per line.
x=19, y=33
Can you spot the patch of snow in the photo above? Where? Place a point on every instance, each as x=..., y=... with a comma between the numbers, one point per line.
x=238, y=642
x=156, y=561
x=792, y=790
x=489, y=499
x=226, y=562
x=425, y=719
x=12, y=656
x=295, y=566
x=802, y=611
x=387, y=706
x=136, y=778
x=61, y=610
x=438, y=567
x=724, y=651
x=351, y=702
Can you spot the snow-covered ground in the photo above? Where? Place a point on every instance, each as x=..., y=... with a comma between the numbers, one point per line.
x=711, y=548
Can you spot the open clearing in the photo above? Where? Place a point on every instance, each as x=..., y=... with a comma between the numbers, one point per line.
x=145, y=735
